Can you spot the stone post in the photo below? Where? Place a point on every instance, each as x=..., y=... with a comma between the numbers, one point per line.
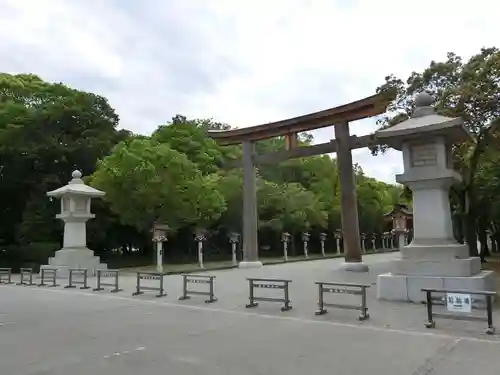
x=322, y=238
x=305, y=240
x=374, y=239
x=285, y=238
x=200, y=237
x=234, y=239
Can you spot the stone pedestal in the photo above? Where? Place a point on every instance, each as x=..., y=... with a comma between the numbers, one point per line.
x=75, y=212
x=434, y=259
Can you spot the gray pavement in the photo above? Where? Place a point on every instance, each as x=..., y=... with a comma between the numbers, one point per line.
x=67, y=331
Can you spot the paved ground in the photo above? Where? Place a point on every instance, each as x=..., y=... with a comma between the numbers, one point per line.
x=65, y=331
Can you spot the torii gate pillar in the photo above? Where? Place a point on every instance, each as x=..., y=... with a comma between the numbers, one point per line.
x=348, y=201
x=250, y=218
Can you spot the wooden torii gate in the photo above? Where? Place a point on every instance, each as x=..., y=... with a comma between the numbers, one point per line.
x=343, y=143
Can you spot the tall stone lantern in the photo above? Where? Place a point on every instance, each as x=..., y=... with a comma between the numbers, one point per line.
x=434, y=259
x=75, y=200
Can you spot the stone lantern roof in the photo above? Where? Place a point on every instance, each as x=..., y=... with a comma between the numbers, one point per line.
x=399, y=209
x=424, y=123
x=76, y=187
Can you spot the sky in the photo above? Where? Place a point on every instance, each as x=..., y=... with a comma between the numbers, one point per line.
x=243, y=62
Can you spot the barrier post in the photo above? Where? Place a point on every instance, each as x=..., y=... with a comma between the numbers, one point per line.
x=5, y=275
x=48, y=272
x=198, y=279
x=101, y=284
x=26, y=273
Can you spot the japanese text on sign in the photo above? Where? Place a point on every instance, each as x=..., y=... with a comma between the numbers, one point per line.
x=459, y=302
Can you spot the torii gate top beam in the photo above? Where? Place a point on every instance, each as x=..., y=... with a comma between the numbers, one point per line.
x=360, y=109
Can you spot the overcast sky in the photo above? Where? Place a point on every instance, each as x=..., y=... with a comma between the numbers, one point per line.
x=238, y=61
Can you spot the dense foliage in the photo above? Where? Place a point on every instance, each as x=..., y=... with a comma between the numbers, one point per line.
x=175, y=176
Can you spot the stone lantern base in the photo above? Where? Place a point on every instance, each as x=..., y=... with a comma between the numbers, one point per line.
x=65, y=259
x=440, y=267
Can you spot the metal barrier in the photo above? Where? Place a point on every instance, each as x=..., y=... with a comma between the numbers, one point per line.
x=48, y=274
x=198, y=279
x=5, y=275
x=107, y=273
x=269, y=284
x=78, y=272
x=343, y=288
x=150, y=276
x=26, y=276
x=460, y=301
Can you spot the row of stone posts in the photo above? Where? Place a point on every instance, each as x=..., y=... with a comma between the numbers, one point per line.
x=389, y=240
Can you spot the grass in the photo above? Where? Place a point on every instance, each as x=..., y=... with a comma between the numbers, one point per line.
x=193, y=267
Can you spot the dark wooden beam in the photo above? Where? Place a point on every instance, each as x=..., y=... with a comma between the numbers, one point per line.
x=301, y=152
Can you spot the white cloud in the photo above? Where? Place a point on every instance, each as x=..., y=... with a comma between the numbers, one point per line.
x=241, y=62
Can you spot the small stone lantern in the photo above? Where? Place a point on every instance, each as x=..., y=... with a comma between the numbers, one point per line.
x=374, y=240
x=305, y=239
x=200, y=236
x=400, y=215
x=159, y=236
x=234, y=239
x=75, y=200
x=285, y=238
x=363, y=241
x=322, y=239
x=338, y=236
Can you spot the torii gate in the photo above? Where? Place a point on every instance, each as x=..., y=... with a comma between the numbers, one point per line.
x=343, y=143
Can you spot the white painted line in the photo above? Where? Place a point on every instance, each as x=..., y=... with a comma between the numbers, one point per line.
x=140, y=348
x=267, y=316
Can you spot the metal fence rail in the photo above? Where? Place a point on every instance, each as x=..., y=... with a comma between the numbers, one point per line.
x=5, y=275
x=72, y=282
x=156, y=276
x=465, y=300
x=198, y=279
x=26, y=276
x=107, y=273
x=255, y=283
x=48, y=274
x=343, y=288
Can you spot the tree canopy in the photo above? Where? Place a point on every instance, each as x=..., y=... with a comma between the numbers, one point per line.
x=176, y=176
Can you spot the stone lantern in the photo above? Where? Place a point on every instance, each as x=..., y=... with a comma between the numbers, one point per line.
x=200, y=236
x=434, y=259
x=75, y=200
x=322, y=239
x=363, y=241
x=159, y=236
x=234, y=239
x=338, y=236
x=399, y=216
x=305, y=239
x=285, y=238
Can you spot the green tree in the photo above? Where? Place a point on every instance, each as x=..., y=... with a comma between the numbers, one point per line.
x=146, y=181
x=46, y=131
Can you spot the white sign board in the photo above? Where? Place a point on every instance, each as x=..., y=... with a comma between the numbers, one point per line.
x=459, y=302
